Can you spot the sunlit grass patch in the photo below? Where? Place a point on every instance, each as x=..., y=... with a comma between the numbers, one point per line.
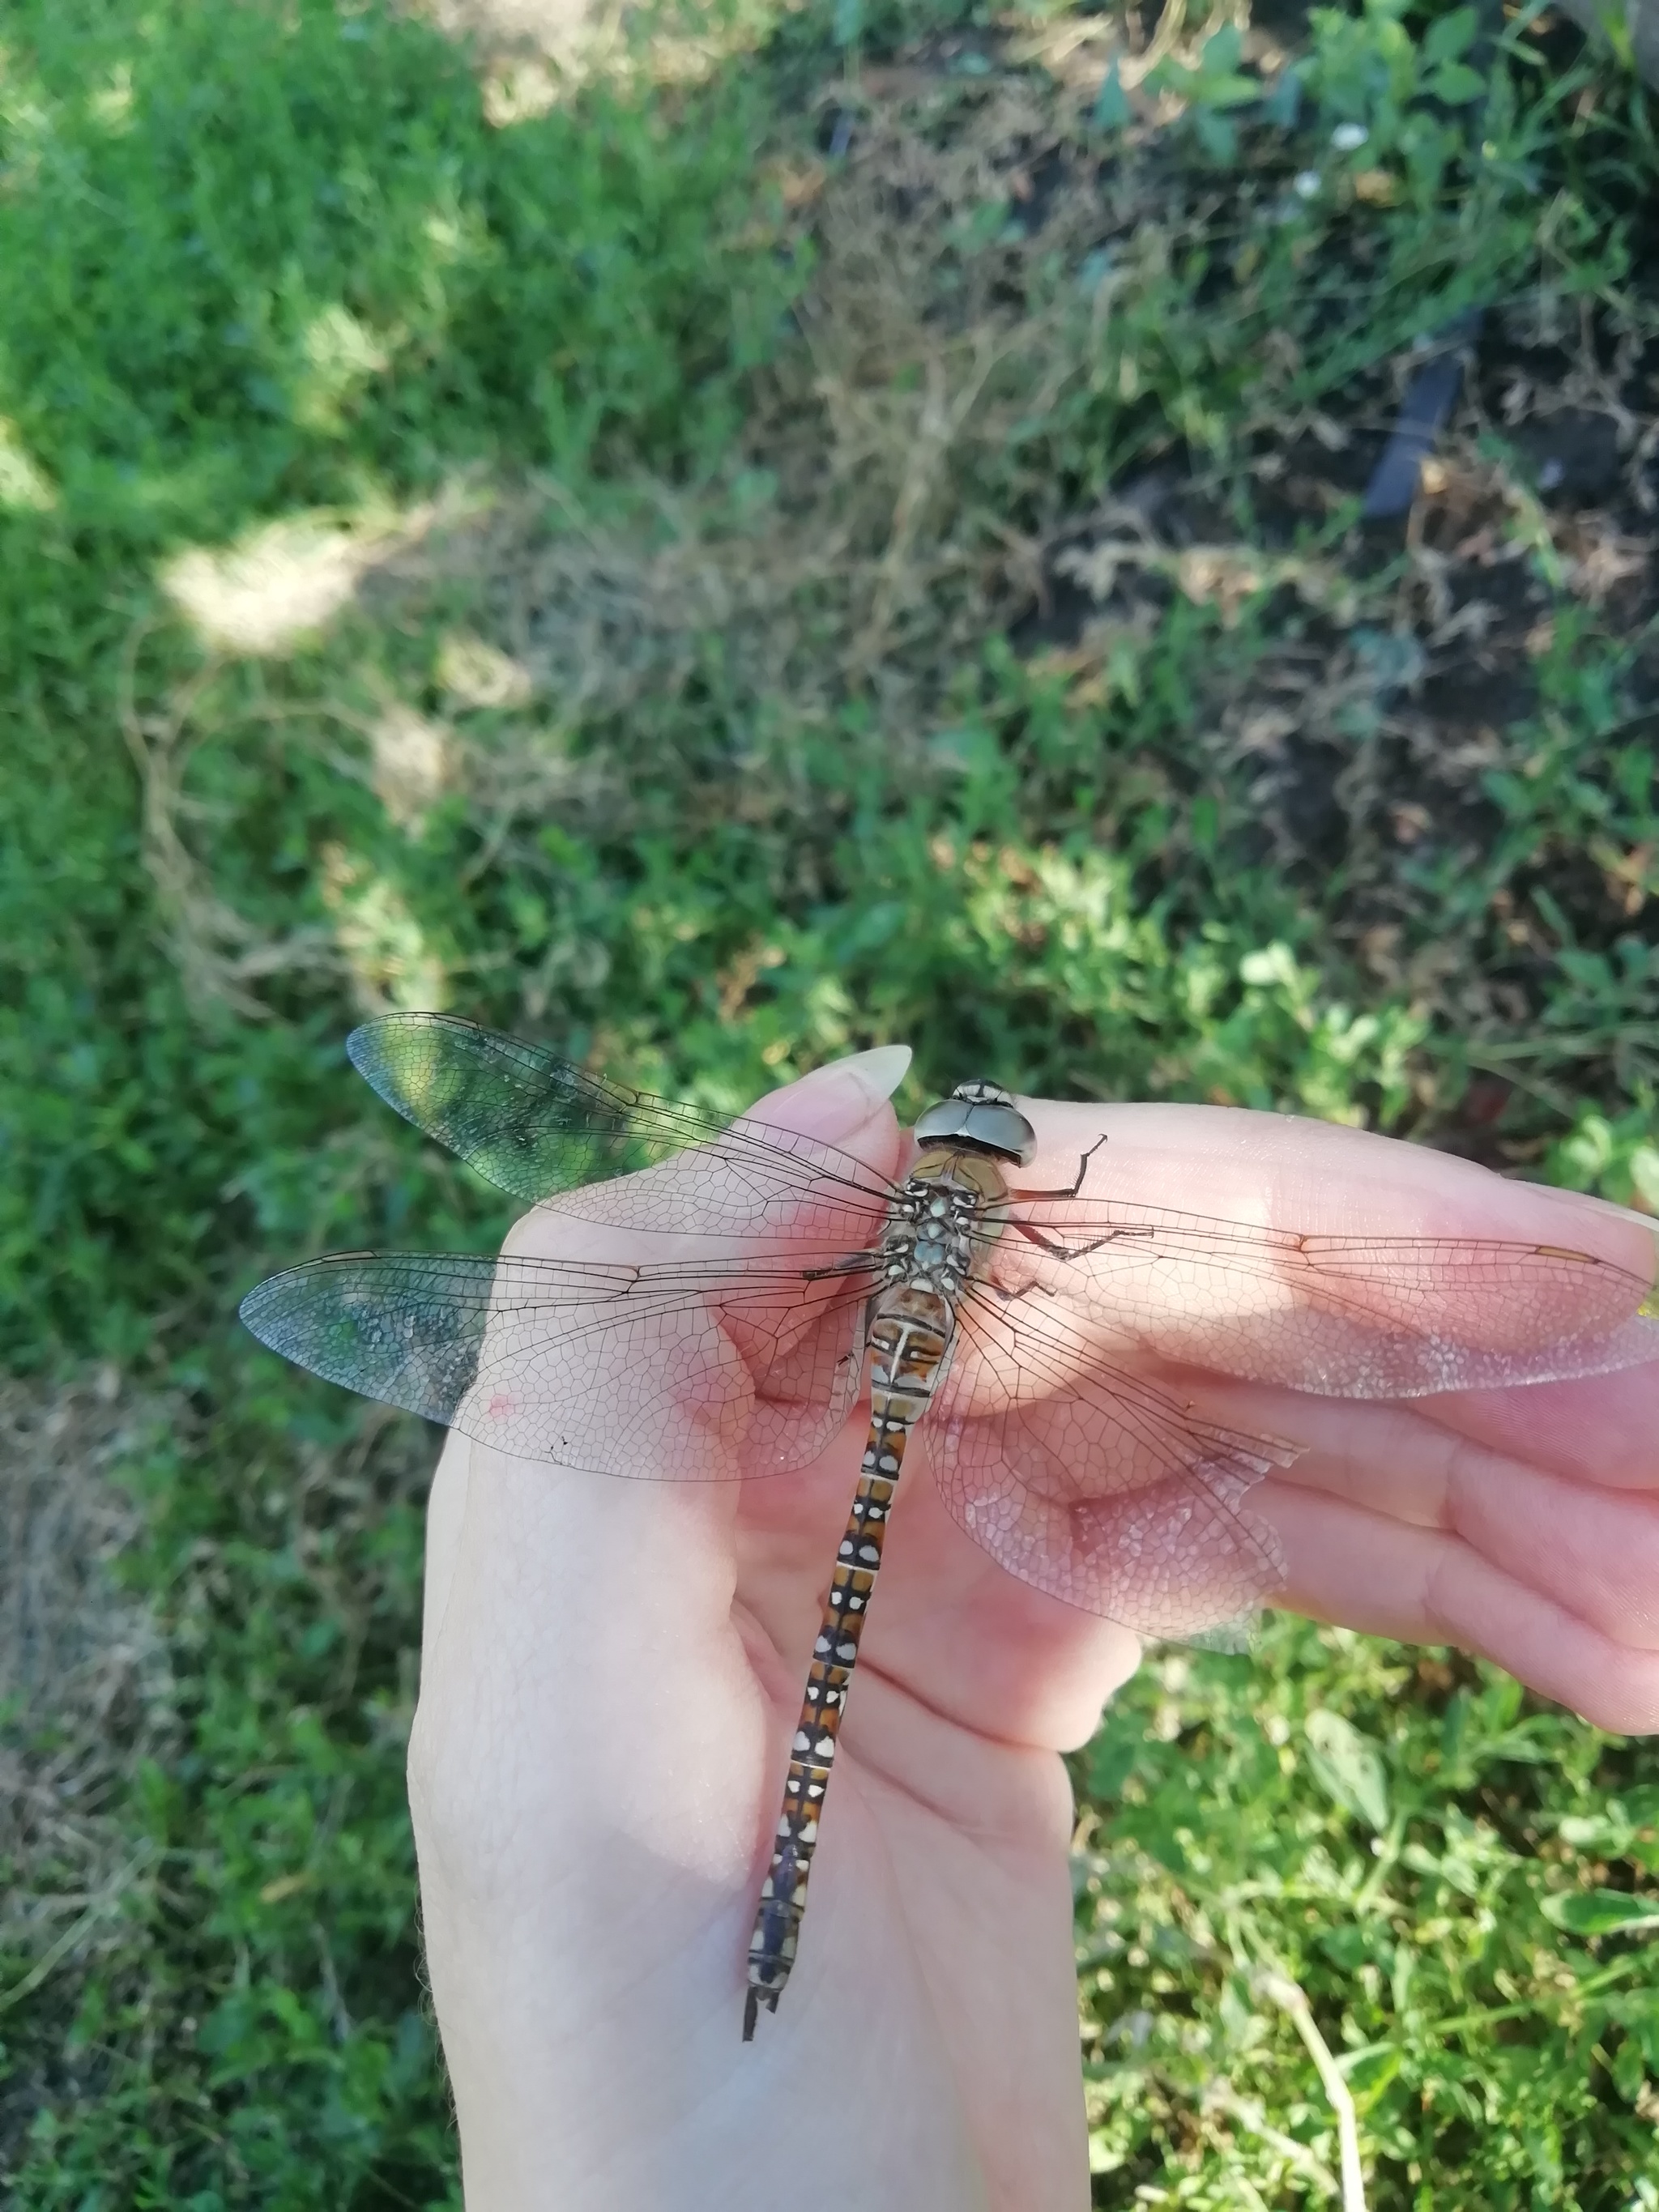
x=283, y=584
x=306, y=239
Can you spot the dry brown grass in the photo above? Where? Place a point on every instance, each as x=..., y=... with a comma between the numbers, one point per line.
x=900, y=510
x=83, y=1670
x=878, y=523
x=869, y=544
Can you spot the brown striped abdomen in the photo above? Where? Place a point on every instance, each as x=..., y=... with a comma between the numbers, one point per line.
x=910, y=1340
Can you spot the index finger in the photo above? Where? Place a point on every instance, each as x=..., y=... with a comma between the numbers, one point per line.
x=1325, y=1258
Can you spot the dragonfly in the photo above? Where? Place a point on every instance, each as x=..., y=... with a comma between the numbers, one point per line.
x=1028, y=1335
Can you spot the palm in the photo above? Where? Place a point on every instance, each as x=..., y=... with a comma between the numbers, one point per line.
x=627, y=1831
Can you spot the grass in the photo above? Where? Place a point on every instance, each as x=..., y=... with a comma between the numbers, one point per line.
x=641, y=576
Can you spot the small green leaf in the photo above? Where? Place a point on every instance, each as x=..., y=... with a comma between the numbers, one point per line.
x=1628, y=2072
x=1603, y=1912
x=1215, y=135
x=1349, y=1767
x=1111, y=109
x=849, y=22
x=1447, y=37
x=1225, y=91
x=1347, y=1947
x=1456, y=84
x=1283, y=103
x=1111, y=1762
x=1222, y=52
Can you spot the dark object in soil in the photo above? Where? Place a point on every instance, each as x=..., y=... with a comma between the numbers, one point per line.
x=1430, y=398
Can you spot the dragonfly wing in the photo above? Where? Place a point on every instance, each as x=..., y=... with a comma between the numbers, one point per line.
x=693, y=1374
x=541, y=1127
x=1365, y=1316
x=400, y=1327
x=532, y=1122
x=1095, y=1485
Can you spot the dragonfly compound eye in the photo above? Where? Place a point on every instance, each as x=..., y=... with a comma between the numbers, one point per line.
x=979, y=1117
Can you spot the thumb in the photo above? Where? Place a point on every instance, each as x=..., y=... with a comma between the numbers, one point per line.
x=844, y=1102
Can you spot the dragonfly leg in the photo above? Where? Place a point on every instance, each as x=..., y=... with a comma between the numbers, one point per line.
x=812, y=1753
x=1072, y=1188
x=1061, y=1250
x=855, y=1263
x=1007, y=1298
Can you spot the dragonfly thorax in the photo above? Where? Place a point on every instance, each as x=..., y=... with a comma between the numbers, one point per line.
x=937, y=1226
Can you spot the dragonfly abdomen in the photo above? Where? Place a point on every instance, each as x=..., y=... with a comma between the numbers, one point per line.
x=910, y=1340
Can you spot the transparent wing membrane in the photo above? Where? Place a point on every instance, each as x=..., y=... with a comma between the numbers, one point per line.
x=541, y=1128
x=696, y=1373
x=1344, y=1317
x=1095, y=1485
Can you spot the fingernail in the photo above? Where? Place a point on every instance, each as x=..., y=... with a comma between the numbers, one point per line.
x=878, y=1073
x=832, y=1100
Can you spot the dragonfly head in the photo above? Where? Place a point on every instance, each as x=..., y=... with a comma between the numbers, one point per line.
x=979, y=1117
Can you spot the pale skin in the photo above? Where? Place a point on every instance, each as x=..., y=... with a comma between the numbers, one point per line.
x=610, y=1669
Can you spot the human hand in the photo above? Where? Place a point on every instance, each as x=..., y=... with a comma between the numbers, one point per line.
x=610, y=1669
